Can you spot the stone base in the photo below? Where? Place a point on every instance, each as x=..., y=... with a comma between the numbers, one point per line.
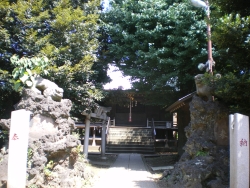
x=205, y=163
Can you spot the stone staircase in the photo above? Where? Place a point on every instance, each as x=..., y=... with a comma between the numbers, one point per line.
x=130, y=140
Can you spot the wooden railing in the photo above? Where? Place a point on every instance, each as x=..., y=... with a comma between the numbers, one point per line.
x=112, y=122
x=107, y=130
x=153, y=129
x=108, y=124
x=160, y=124
x=96, y=124
x=167, y=126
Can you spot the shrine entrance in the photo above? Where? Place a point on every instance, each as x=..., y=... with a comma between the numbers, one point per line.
x=136, y=114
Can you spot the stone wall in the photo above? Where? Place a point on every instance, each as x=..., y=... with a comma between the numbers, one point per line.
x=205, y=161
x=183, y=121
x=54, y=154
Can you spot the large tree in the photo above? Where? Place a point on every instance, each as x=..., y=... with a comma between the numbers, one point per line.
x=158, y=43
x=65, y=31
x=231, y=34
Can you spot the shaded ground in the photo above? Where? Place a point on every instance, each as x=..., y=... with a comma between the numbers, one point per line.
x=159, y=160
x=95, y=160
x=98, y=165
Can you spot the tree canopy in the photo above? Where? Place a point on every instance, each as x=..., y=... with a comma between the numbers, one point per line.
x=231, y=34
x=66, y=32
x=158, y=43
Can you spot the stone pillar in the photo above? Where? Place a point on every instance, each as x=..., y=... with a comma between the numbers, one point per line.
x=18, y=148
x=103, y=140
x=100, y=113
x=239, y=151
x=86, y=136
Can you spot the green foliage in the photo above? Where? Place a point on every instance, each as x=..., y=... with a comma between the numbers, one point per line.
x=118, y=96
x=202, y=153
x=76, y=134
x=26, y=68
x=233, y=6
x=29, y=157
x=47, y=170
x=64, y=31
x=33, y=186
x=76, y=153
x=158, y=43
x=231, y=35
x=4, y=134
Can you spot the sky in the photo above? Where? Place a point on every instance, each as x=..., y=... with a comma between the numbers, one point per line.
x=106, y=4
x=117, y=79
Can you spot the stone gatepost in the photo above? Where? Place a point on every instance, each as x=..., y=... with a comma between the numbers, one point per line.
x=100, y=113
x=18, y=148
x=86, y=136
x=103, y=145
x=239, y=151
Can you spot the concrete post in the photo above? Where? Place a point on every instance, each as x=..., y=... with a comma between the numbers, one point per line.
x=86, y=136
x=103, y=151
x=18, y=148
x=239, y=151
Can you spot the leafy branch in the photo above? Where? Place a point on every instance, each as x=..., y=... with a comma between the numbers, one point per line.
x=26, y=68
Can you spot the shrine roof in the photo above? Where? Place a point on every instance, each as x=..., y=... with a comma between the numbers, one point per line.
x=181, y=102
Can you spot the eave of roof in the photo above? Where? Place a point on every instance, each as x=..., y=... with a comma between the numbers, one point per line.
x=181, y=102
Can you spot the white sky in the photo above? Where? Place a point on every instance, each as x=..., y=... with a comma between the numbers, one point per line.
x=106, y=5
x=117, y=79
x=114, y=73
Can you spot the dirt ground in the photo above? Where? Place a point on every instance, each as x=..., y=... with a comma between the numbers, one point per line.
x=98, y=166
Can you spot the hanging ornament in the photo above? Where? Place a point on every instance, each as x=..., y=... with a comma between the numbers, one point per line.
x=130, y=112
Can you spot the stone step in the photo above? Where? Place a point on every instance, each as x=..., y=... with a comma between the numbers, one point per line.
x=139, y=142
x=145, y=143
x=130, y=140
x=130, y=136
x=130, y=130
x=129, y=149
x=134, y=133
x=126, y=146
